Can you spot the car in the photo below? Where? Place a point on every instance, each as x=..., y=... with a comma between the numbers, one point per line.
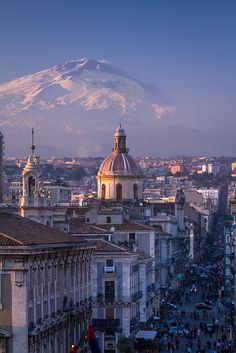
x=204, y=276
x=208, y=302
x=203, y=306
x=193, y=289
x=210, y=328
x=174, y=327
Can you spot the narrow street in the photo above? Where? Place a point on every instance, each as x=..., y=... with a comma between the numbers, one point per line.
x=190, y=330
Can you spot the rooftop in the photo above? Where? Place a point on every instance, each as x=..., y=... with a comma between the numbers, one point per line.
x=16, y=231
x=77, y=226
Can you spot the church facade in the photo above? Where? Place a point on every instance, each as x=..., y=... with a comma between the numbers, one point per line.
x=119, y=177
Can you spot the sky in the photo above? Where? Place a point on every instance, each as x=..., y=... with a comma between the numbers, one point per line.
x=185, y=48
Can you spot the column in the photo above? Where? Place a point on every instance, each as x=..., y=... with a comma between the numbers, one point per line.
x=19, y=306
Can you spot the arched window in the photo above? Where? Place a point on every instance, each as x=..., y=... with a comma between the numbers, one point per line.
x=118, y=192
x=31, y=186
x=135, y=191
x=103, y=191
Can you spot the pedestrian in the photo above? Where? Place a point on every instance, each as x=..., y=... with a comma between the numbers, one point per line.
x=199, y=344
x=177, y=342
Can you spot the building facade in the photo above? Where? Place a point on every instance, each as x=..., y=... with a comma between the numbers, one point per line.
x=123, y=284
x=45, y=287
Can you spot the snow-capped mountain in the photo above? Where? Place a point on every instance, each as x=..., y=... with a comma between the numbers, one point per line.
x=75, y=107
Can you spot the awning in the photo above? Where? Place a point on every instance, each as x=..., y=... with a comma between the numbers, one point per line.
x=147, y=335
x=4, y=333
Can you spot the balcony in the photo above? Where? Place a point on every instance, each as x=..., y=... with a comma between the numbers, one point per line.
x=107, y=325
x=136, y=296
x=120, y=301
x=109, y=269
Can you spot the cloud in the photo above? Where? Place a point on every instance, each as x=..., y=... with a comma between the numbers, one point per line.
x=162, y=110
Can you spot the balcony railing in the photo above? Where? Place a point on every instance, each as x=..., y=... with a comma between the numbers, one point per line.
x=119, y=301
x=109, y=269
x=106, y=324
x=137, y=295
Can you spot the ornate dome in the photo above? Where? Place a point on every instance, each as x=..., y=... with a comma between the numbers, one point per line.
x=119, y=177
x=119, y=162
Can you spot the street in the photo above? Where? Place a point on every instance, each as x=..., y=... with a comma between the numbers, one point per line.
x=189, y=330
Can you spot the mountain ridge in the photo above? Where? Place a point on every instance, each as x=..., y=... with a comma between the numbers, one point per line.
x=78, y=100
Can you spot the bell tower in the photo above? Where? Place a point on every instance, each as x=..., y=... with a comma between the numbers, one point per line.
x=120, y=141
x=31, y=179
x=34, y=202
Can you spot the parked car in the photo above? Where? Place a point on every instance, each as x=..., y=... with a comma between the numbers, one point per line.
x=203, y=306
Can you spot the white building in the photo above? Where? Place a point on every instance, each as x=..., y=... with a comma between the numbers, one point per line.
x=210, y=196
x=122, y=283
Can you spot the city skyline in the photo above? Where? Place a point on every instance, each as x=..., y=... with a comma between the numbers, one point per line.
x=184, y=50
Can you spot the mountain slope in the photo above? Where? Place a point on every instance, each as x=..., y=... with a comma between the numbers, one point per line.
x=75, y=106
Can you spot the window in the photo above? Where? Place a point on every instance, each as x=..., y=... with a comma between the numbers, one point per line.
x=118, y=192
x=131, y=237
x=109, y=291
x=110, y=313
x=31, y=186
x=103, y=191
x=135, y=191
x=108, y=219
x=109, y=263
x=87, y=220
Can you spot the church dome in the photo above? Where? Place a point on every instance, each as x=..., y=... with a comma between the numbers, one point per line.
x=119, y=177
x=119, y=163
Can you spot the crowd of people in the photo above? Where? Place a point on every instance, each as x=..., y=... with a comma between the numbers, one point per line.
x=189, y=329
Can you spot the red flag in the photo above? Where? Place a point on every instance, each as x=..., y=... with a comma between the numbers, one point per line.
x=74, y=349
x=91, y=338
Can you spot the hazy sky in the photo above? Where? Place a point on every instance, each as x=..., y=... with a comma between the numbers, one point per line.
x=185, y=48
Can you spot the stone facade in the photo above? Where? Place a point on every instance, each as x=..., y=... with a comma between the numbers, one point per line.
x=46, y=298
x=121, y=285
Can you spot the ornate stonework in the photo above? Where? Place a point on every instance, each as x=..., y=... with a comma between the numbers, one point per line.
x=119, y=177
